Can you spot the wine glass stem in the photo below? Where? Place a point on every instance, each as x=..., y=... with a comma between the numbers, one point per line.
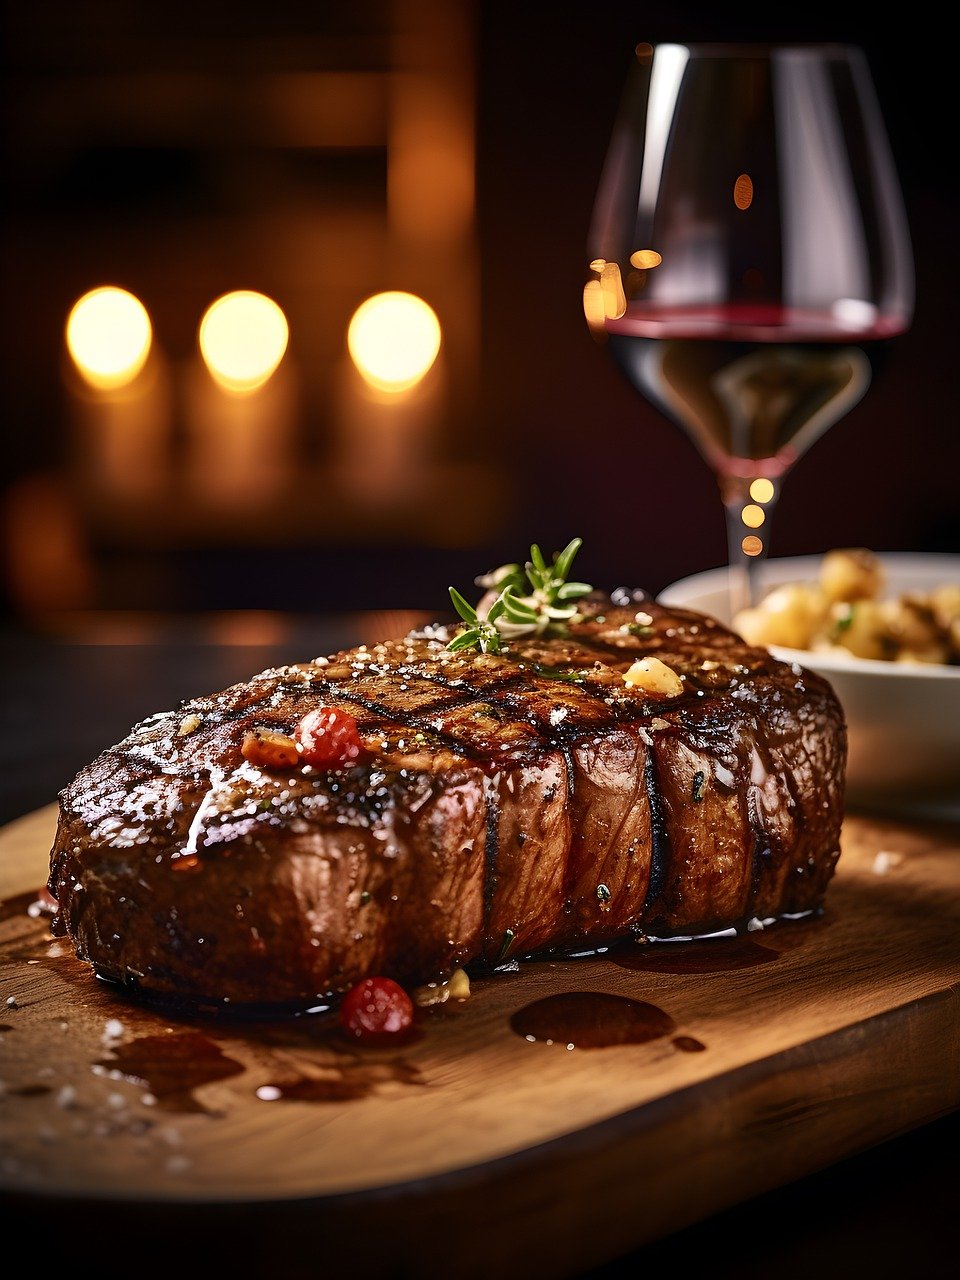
x=748, y=538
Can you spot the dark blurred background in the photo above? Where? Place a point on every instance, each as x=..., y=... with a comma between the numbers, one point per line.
x=319, y=154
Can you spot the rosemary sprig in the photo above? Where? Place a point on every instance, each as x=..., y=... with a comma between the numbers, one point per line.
x=532, y=599
x=479, y=633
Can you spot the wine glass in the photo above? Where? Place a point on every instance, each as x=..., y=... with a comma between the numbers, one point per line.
x=750, y=257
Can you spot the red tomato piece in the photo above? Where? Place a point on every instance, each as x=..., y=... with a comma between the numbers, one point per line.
x=376, y=1010
x=269, y=750
x=328, y=738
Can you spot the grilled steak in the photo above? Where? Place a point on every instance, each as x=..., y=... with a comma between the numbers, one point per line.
x=506, y=804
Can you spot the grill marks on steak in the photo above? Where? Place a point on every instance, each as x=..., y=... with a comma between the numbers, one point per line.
x=511, y=803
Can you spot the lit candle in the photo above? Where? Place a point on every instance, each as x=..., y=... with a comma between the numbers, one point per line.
x=388, y=408
x=121, y=398
x=241, y=402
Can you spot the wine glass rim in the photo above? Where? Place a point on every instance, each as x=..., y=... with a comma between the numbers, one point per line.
x=759, y=48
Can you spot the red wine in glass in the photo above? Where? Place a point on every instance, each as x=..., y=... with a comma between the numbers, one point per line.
x=750, y=258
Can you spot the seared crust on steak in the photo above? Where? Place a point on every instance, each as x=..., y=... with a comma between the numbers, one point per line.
x=507, y=804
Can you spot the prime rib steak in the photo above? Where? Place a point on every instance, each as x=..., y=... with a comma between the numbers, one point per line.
x=505, y=805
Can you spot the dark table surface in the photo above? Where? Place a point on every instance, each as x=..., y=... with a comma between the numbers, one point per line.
x=887, y=1211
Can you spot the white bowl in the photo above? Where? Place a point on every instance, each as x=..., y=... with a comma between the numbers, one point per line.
x=903, y=718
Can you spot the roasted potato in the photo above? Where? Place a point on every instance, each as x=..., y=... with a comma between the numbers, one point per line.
x=845, y=608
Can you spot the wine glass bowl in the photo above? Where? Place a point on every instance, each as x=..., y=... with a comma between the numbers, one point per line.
x=750, y=258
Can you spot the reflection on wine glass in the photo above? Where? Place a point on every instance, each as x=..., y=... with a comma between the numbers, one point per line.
x=750, y=257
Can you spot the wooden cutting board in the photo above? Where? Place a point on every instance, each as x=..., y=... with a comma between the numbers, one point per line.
x=747, y=1063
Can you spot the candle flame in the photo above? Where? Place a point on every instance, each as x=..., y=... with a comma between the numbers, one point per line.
x=394, y=339
x=243, y=337
x=109, y=336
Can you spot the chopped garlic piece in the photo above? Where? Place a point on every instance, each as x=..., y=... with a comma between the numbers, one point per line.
x=459, y=985
x=188, y=724
x=456, y=987
x=653, y=676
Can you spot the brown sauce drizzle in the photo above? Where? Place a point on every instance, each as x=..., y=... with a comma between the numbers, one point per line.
x=688, y=1044
x=707, y=955
x=591, y=1020
x=344, y=1083
x=171, y=1066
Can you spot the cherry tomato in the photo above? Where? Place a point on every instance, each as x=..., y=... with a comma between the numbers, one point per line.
x=328, y=738
x=376, y=1010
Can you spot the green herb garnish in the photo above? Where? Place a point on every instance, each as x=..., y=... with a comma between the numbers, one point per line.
x=574, y=676
x=843, y=621
x=532, y=599
x=508, y=937
x=479, y=633
x=696, y=791
x=603, y=893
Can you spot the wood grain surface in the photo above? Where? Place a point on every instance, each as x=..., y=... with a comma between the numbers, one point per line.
x=773, y=1056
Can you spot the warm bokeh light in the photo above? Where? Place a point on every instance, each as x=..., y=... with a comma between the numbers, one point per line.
x=644, y=259
x=751, y=545
x=109, y=336
x=593, y=307
x=603, y=299
x=614, y=298
x=752, y=516
x=743, y=191
x=243, y=337
x=761, y=489
x=394, y=339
